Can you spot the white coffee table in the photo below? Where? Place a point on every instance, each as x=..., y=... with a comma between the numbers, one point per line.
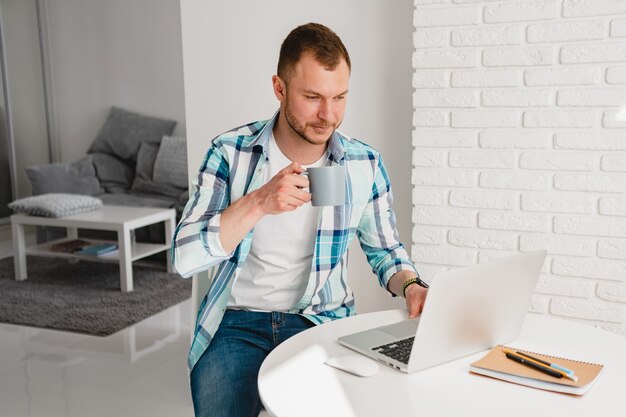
x=123, y=220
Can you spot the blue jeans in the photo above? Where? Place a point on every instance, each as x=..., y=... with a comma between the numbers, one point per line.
x=224, y=381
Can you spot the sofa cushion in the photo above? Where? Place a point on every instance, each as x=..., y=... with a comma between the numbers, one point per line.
x=114, y=174
x=170, y=166
x=131, y=200
x=150, y=188
x=123, y=132
x=55, y=204
x=77, y=177
x=145, y=161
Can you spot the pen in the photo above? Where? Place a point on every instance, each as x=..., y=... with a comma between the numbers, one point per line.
x=537, y=365
x=534, y=365
x=552, y=365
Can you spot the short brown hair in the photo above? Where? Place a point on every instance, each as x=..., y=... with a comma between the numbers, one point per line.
x=325, y=45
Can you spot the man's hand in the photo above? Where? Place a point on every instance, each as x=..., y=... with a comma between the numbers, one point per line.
x=284, y=191
x=415, y=297
x=415, y=293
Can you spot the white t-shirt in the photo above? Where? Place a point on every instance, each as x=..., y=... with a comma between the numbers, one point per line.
x=277, y=269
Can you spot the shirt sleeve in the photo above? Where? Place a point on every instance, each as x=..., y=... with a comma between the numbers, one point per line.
x=196, y=245
x=378, y=234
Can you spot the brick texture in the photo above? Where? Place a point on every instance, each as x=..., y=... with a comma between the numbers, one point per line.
x=520, y=145
x=616, y=75
x=569, y=31
x=486, y=78
x=562, y=76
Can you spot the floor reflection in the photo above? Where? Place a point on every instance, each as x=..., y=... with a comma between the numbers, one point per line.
x=139, y=371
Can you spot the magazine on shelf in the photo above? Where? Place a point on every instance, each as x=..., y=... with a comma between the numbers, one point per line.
x=70, y=246
x=99, y=249
x=114, y=252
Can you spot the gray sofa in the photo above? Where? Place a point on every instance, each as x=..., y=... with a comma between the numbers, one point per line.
x=132, y=162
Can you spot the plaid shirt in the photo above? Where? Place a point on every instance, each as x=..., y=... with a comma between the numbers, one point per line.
x=233, y=168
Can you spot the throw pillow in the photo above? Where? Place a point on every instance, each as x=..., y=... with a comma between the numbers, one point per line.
x=124, y=131
x=144, y=184
x=78, y=177
x=113, y=173
x=55, y=205
x=170, y=166
x=145, y=161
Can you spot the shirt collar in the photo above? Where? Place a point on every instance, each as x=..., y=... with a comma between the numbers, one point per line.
x=335, y=148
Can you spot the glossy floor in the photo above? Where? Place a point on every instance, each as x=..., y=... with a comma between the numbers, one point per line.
x=139, y=371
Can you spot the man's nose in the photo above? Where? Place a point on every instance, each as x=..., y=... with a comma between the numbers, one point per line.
x=325, y=110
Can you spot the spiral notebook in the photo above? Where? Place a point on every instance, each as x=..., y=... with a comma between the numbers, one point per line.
x=496, y=365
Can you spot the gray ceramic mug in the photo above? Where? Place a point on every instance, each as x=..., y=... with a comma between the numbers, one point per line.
x=327, y=185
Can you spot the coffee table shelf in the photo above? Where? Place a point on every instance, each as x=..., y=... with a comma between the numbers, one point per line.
x=123, y=220
x=138, y=250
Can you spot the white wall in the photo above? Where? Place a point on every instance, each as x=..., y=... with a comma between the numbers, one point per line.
x=517, y=148
x=26, y=94
x=124, y=53
x=230, y=52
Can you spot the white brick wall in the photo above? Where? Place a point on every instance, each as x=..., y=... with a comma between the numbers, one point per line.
x=518, y=145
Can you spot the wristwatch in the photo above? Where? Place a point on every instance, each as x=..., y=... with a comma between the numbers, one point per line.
x=416, y=280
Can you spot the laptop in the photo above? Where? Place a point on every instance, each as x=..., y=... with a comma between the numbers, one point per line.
x=467, y=310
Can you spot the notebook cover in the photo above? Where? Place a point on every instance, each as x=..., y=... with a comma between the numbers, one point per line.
x=495, y=364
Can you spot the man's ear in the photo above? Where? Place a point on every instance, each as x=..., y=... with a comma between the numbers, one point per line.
x=279, y=86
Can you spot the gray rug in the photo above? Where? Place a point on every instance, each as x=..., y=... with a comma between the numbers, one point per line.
x=84, y=297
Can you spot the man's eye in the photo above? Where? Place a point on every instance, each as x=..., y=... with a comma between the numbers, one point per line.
x=311, y=97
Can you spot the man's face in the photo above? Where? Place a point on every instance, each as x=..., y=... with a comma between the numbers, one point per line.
x=315, y=99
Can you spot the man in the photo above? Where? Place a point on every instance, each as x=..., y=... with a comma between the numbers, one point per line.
x=281, y=264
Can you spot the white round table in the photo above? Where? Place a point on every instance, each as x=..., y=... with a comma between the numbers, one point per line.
x=294, y=381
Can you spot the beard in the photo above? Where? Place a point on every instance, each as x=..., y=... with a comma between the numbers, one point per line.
x=300, y=128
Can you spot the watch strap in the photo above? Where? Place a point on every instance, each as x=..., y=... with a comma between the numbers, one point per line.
x=416, y=280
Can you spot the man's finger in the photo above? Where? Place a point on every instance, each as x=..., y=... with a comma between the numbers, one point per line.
x=299, y=181
x=293, y=168
x=302, y=196
x=294, y=201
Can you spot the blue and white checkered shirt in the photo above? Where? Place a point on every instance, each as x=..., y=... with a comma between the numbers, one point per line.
x=233, y=168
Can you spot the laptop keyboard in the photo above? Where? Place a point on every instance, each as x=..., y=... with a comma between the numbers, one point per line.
x=399, y=350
